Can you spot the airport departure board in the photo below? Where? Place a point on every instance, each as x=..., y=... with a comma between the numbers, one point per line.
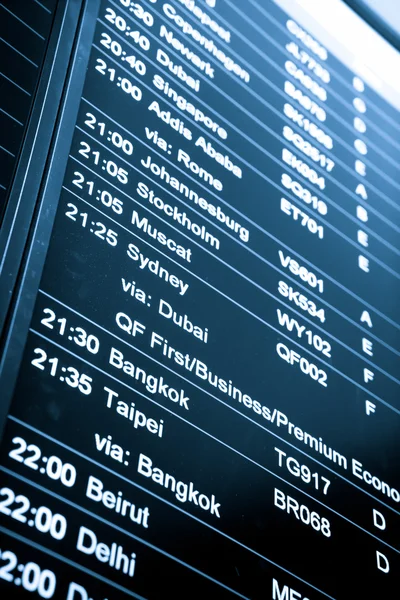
x=207, y=402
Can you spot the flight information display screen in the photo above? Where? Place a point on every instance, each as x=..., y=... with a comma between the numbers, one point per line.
x=207, y=403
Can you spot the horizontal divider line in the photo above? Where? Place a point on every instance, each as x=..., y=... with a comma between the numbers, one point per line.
x=21, y=21
x=11, y=117
x=43, y=6
x=16, y=84
x=7, y=151
x=18, y=52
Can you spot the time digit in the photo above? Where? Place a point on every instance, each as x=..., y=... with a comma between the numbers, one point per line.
x=4, y=504
x=37, y=362
x=142, y=15
x=79, y=179
x=5, y=570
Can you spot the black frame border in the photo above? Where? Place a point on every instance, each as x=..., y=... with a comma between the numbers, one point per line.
x=375, y=21
x=41, y=185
